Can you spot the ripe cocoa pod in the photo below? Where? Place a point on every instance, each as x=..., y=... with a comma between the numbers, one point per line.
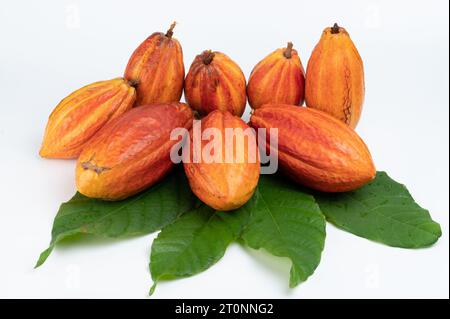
x=157, y=68
x=315, y=149
x=335, y=77
x=78, y=117
x=215, y=82
x=132, y=152
x=278, y=78
x=223, y=183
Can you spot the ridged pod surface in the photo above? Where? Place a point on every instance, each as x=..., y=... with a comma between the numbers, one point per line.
x=315, y=149
x=278, y=78
x=157, y=68
x=79, y=116
x=224, y=183
x=335, y=77
x=132, y=152
x=215, y=82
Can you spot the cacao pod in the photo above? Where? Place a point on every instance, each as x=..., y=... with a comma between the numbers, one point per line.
x=131, y=152
x=335, y=77
x=278, y=78
x=224, y=182
x=315, y=149
x=78, y=117
x=215, y=82
x=157, y=68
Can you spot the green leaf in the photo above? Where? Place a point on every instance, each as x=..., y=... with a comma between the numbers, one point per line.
x=141, y=214
x=287, y=223
x=195, y=242
x=278, y=218
x=383, y=211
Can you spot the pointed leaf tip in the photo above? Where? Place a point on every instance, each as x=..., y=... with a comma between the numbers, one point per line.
x=43, y=256
x=152, y=289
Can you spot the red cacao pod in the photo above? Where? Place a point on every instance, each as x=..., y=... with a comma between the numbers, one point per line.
x=315, y=149
x=157, y=68
x=132, y=152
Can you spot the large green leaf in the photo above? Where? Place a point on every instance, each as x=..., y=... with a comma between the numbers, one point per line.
x=287, y=223
x=382, y=211
x=141, y=214
x=195, y=242
x=279, y=218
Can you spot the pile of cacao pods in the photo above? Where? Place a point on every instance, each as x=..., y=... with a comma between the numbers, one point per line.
x=120, y=129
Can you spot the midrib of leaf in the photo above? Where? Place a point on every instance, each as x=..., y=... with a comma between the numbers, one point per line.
x=297, y=221
x=272, y=217
x=374, y=210
x=114, y=211
x=185, y=249
x=281, y=237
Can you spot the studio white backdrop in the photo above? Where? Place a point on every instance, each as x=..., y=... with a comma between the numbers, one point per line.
x=50, y=48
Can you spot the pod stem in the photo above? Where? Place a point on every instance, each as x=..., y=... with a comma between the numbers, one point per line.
x=207, y=57
x=133, y=82
x=288, y=52
x=335, y=29
x=169, y=32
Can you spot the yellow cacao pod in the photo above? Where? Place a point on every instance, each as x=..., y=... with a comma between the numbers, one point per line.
x=278, y=78
x=335, y=77
x=215, y=82
x=78, y=117
x=221, y=183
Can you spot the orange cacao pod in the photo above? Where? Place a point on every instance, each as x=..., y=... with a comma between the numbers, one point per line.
x=222, y=182
x=78, y=117
x=131, y=152
x=335, y=77
x=278, y=78
x=157, y=68
x=315, y=149
x=215, y=82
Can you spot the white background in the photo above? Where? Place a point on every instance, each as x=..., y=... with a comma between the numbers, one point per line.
x=50, y=48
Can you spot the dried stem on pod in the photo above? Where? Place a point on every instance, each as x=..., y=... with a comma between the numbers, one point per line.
x=207, y=57
x=288, y=52
x=335, y=29
x=169, y=32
